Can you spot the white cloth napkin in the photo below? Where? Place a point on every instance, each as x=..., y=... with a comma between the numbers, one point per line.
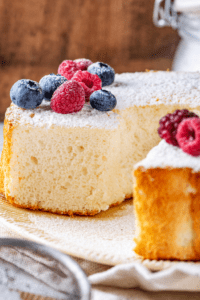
x=180, y=277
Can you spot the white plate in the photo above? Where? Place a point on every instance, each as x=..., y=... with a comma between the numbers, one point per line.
x=106, y=238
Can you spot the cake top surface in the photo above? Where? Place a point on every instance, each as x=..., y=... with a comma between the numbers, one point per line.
x=165, y=155
x=154, y=88
x=44, y=116
x=130, y=89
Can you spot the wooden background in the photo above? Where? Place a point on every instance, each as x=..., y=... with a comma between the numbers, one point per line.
x=37, y=35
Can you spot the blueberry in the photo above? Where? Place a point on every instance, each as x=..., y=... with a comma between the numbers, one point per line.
x=55, y=74
x=104, y=71
x=26, y=93
x=103, y=100
x=49, y=83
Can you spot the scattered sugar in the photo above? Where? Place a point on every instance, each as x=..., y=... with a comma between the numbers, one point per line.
x=43, y=115
x=154, y=88
x=165, y=155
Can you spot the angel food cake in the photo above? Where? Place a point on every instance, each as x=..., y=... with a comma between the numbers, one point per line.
x=62, y=163
x=167, y=193
x=81, y=163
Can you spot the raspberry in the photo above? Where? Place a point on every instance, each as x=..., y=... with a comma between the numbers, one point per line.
x=68, y=98
x=169, y=124
x=67, y=68
x=83, y=63
x=188, y=136
x=90, y=82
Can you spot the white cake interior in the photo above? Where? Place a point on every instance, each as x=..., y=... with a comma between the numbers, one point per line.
x=83, y=161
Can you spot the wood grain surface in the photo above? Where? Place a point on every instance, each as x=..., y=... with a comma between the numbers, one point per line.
x=37, y=35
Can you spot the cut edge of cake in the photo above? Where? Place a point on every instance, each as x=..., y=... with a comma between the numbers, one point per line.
x=166, y=205
x=14, y=177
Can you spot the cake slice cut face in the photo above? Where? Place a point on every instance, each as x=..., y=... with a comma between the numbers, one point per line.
x=69, y=165
x=142, y=99
x=167, y=206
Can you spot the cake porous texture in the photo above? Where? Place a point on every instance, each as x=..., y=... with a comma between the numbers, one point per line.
x=81, y=163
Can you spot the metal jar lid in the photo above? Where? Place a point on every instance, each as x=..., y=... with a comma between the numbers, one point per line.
x=186, y=22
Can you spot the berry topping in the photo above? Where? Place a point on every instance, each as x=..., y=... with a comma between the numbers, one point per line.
x=67, y=68
x=83, y=63
x=68, y=98
x=50, y=83
x=26, y=93
x=104, y=71
x=188, y=136
x=90, y=82
x=103, y=100
x=169, y=124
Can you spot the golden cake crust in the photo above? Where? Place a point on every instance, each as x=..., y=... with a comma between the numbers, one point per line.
x=6, y=154
x=14, y=202
x=167, y=208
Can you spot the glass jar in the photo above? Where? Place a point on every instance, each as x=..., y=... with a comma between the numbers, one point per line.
x=187, y=56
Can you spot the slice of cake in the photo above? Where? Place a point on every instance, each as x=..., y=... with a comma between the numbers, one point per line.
x=82, y=162
x=167, y=197
x=62, y=163
x=142, y=99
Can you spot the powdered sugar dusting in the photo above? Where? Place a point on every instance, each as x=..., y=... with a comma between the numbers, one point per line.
x=154, y=88
x=166, y=155
x=130, y=89
x=44, y=116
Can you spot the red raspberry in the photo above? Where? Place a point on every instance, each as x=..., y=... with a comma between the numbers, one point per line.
x=68, y=98
x=188, y=136
x=67, y=68
x=90, y=82
x=83, y=63
x=169, y=124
